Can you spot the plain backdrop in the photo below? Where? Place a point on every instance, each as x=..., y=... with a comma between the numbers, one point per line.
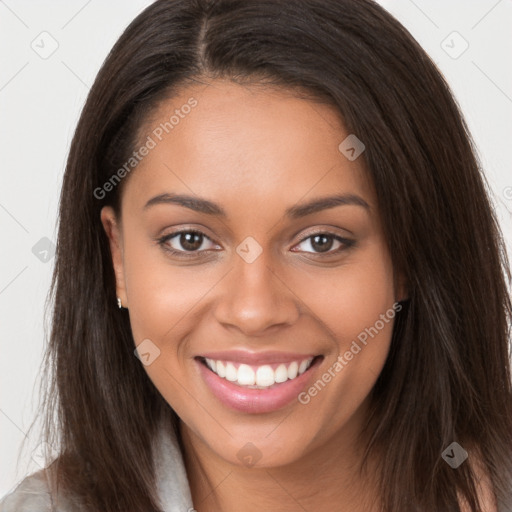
x=50, y=53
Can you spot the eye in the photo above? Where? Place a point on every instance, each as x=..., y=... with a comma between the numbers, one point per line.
x=322, y=242
x=186, y=241
x=192, y=243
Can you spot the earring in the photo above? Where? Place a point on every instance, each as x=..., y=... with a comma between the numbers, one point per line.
x=119, y=304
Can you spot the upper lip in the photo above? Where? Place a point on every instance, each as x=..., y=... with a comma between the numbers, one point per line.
x=256, y=358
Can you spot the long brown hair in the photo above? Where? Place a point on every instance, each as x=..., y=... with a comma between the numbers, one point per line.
x=448, y=375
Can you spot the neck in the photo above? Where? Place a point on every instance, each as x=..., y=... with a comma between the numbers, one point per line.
x=326, y=478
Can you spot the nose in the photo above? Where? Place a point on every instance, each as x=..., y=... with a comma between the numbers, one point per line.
x=255, y=299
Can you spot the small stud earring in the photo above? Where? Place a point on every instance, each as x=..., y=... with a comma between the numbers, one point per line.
x=119, y=304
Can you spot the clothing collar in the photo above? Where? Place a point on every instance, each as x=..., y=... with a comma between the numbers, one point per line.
x=172, y=482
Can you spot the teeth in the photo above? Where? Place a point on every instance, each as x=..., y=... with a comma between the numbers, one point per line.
x=260, y=377
x=292, y=370
x=212, y=364
x=231, y=372
x=246, y=375
x=221, y=369
x=281, y=374
x=303, y=367
x=265, y=376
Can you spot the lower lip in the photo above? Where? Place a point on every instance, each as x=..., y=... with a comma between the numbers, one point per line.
x=256, y=401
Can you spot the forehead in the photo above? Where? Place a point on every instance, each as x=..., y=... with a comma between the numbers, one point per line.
x=252, y=144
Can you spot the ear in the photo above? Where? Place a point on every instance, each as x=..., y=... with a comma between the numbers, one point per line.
x=112, y=228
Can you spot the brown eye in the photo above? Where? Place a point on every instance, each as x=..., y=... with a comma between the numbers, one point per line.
x=186, y=241
x=190, y=241
x=320, y=243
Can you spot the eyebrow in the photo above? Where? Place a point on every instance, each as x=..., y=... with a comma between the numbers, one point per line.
x=295, y=212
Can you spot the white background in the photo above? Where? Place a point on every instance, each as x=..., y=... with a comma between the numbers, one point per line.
x=40, y=100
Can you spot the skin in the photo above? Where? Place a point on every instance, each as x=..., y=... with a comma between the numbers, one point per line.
x=256, y=151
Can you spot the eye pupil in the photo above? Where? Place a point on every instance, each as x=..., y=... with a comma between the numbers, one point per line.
x=189, y=241
x=318, y=242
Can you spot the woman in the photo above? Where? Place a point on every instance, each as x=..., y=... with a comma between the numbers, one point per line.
x=279, y=283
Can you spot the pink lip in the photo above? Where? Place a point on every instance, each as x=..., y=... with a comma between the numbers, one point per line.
x=257, y=358
x=256, y=401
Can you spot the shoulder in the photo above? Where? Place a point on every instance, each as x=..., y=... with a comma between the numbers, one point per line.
x=32, y=494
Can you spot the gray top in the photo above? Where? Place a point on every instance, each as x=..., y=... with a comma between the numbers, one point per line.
x=33, y=495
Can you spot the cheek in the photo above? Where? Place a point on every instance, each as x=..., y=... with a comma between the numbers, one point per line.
x=166, y=304
x=160, y=294
x=162, y=301
x=352, y=298
x=355, y=306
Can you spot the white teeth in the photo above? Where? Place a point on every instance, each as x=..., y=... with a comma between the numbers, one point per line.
x=212, y=364
x=293, y=370
x=231, y=372
x=246, y=375
x=265, y=376
x=281, y=373
x=260, y=378
x=221, y=369
x=303, y=366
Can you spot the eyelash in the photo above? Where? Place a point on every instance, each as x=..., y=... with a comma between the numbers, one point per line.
x=346, y=243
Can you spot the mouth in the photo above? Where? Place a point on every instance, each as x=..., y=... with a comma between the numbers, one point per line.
x=257, y=377
x=243, y=385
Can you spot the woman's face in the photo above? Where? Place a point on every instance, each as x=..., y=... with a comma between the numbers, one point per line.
x=279, y=271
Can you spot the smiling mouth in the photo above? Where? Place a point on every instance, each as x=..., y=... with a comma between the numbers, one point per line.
x=266, y=376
